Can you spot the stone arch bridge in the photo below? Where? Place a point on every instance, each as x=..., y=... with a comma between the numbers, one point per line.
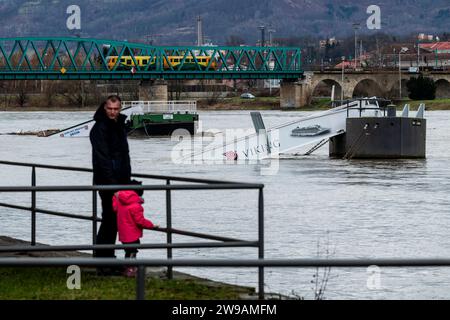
x=355, y=84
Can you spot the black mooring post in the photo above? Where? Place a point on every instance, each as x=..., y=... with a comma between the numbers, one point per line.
x=169, y=229
x=33, y=207
x=360, y=107
x=348, y=107
x=261, y=243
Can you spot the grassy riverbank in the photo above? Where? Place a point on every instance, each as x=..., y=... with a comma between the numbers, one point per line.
x=50, y=284
x=273, y=103
x=236, y=103
x=431, y=105
x=438, y=104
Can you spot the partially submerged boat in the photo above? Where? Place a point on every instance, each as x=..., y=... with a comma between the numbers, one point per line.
x=147, y=118
x=152, y=118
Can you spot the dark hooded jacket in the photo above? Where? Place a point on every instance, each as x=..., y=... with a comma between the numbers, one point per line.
x=110, y=152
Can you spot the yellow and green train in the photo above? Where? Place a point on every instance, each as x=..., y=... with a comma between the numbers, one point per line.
x=126, y=62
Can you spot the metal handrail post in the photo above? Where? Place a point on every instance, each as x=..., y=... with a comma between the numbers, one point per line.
x=169, y=229
x=33, y=207
x=94, y=217
x=140, y=290
x=140, y=283
x=261, y=243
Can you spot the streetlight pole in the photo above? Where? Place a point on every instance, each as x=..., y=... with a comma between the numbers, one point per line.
x=418, y=54
x=356, y=27
x=342, y=80
x=271, y=31
x=263, y=37
x=400, y=74
x=436, y=58
x=403, y=50
x=393, y=59
x=360, y=53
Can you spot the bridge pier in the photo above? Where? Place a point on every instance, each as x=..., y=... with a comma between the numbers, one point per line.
x=294, y=94
x=153, y=90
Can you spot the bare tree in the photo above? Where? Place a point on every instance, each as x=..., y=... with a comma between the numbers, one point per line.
x=213, y=96
x=49, y=91
x=75, y=93
x=6, y=91
x=22, y=95
x=176, y=90
x=321, y=277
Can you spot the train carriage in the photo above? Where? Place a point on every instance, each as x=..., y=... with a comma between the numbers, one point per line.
x=150, y=63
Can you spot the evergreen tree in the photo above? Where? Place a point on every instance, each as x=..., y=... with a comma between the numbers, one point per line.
x=421, y=88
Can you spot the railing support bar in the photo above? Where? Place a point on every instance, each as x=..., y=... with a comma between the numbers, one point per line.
x=94, y=217
x=33, y=207
x=169, y=228
x=261, y=243
x=140, y=283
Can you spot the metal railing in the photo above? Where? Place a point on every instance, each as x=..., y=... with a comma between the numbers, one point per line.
x=362, y=104
x=168, y=187
x=259, y=263
x=163, y=106
x=237, y=263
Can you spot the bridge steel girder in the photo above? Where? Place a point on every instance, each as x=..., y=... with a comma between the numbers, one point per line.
x=146, y=76
x=92, y=59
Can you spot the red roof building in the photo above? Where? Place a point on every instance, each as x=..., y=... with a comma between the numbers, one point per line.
x=438, y=47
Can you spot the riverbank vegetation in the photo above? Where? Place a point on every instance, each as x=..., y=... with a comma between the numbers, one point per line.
x=259, y=103
x=34, y=95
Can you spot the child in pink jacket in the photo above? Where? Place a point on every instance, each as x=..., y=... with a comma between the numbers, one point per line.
x=130, y=221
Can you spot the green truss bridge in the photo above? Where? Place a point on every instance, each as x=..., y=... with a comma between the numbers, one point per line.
x=94, y=59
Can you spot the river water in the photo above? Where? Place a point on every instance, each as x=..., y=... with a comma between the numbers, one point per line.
x=314, y=206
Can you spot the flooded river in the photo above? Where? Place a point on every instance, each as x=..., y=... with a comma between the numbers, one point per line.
x=314, y=206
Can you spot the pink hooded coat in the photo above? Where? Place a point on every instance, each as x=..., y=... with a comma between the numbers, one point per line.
x=130, y=216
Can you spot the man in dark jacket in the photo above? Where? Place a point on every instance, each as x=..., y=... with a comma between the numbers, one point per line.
x=111, y=164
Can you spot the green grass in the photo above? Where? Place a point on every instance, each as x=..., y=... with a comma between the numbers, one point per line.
x=257, y=103
x=267, y=103
x=318, y=104
x=438, y=104
x=50, y=284
x=235, y=103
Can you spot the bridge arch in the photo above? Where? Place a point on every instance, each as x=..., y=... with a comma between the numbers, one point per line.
x=323, y=88
x=394, y=91
x=442, y=88
x=368, y=88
